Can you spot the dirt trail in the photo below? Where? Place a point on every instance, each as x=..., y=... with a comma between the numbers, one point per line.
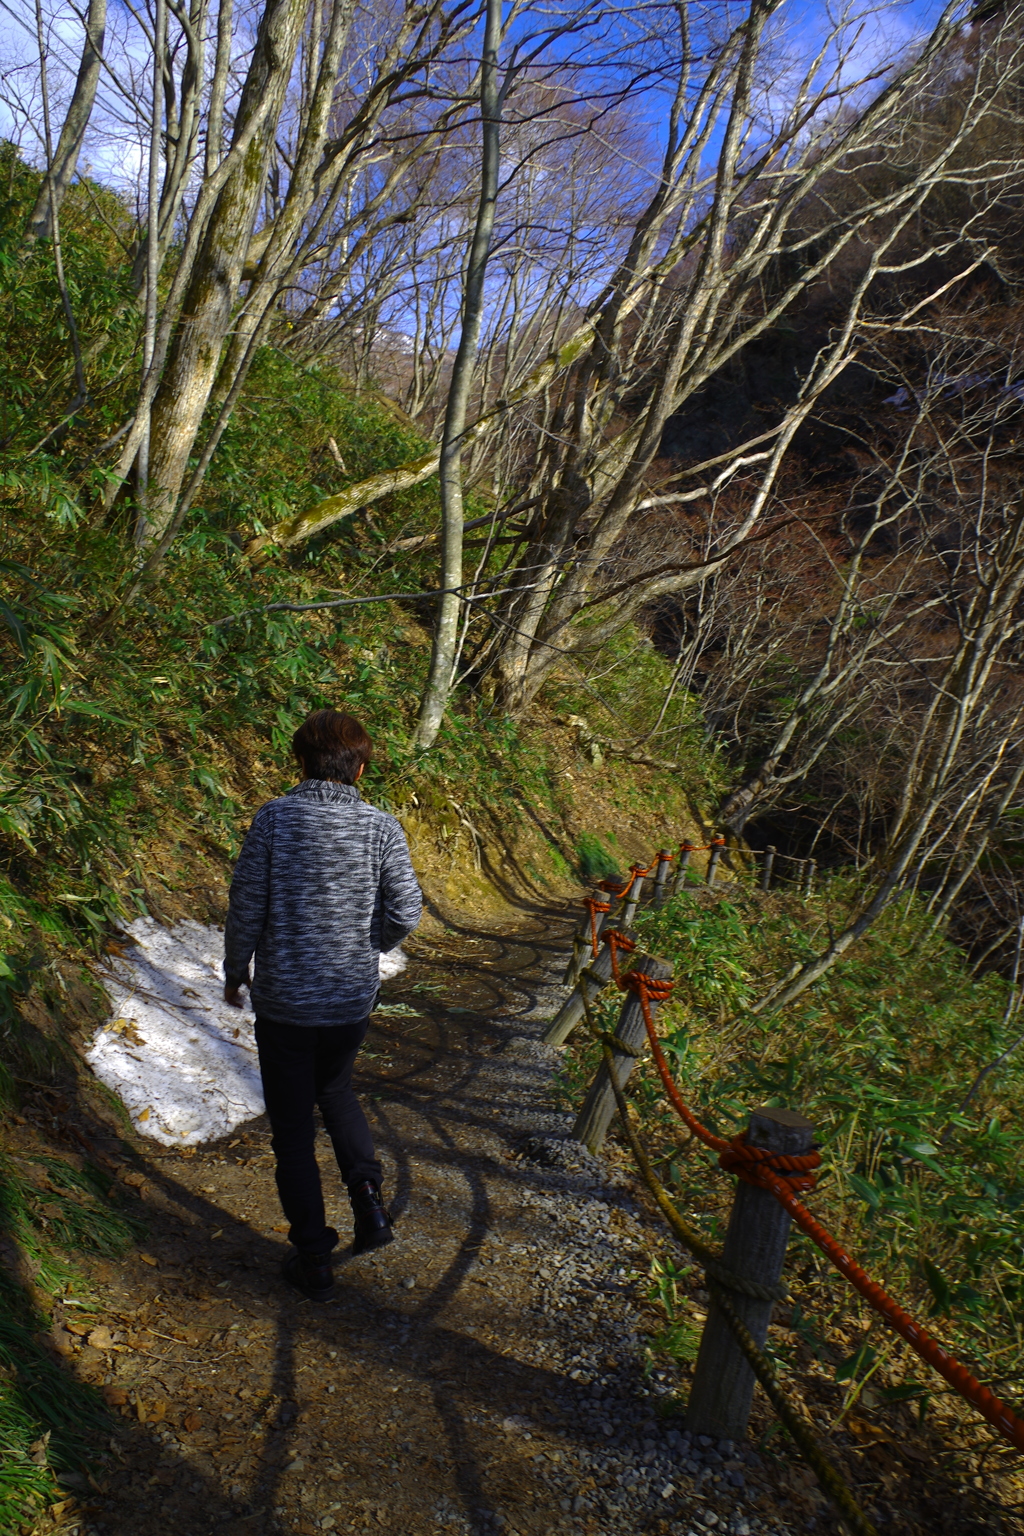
x=483, y=1373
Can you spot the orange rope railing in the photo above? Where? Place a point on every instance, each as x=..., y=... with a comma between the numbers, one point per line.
x=616, y=941
x=781, y=1174
x=636, y=872
x=594, y=907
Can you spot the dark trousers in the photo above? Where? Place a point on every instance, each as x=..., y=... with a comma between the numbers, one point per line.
x=302, y=1066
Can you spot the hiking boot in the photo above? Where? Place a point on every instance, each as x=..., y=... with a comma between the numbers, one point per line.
x=311, y=1274
x=373, y=1220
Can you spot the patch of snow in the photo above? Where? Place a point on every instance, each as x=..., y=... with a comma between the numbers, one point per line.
x=392, y=961
x=183, y=1062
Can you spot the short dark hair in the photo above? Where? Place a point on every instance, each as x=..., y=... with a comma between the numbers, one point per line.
x=330, y=745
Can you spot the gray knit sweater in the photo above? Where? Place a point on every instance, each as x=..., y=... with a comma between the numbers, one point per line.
x=323, y=883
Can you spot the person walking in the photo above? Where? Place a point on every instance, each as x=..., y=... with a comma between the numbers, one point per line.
x=323, y=883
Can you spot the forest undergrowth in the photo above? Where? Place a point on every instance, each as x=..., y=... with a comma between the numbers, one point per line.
x=921, y=1178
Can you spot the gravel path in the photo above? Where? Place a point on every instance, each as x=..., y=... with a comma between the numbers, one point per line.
x=485, y=1373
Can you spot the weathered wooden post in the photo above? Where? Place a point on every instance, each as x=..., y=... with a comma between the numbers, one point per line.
x=593, y=978
x=809, y=867
x=631, y=900
x=717, y=849
x=685, y=850
x=599, y=1106
x=766, y=868
x=582, y=939
x=755, y=1249
x=575, y=960
x=661, y=876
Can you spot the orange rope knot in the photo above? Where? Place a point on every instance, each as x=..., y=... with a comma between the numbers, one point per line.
x=756, y=1165
x=648, y=989
x=647, y=986
x=594, y=906
x=616, y=940
x=635, y=871
x=665, y=857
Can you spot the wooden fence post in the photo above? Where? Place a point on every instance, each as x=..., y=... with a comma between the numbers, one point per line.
x=575, y=960
x=685, y=850
x=766, y=868
x=593, y=978
x=755, y=1249
x=572, y=969
x=809, y=867
x=631, y=901
x=717, y=849
x=661, y=877
x=581, y=943
x=599, y=1106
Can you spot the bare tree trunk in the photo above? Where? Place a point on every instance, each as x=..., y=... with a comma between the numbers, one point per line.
x=446, y=633
x=218, y=89
x=58, y=257
x=195, y=351
x=61, y=168
x=152, y=255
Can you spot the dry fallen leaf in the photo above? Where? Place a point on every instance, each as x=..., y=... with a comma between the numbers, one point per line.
x=126, y=1028
x=100, y=1338
x=865, y=1431
x=285, y=1228
x=62, y=1340
x=147, y=1258
x=151, y=1413
x=192, y=1422
x=146, y=1113
x=114, y=1397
